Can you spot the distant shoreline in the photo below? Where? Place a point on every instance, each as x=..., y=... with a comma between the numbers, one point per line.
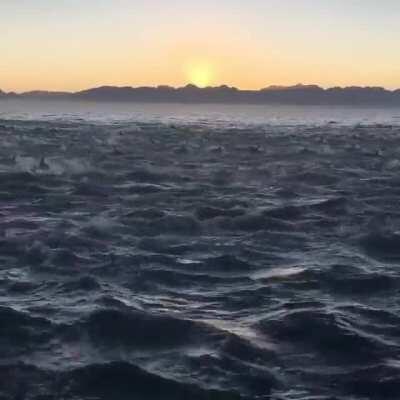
x=292, y=95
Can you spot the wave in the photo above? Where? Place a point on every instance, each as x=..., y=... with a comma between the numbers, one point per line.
x=20, y=332
x=121, y=380
x=384, y=246
x=153, y=261
x=142, y=330
x=327, y=333
x=118, y=380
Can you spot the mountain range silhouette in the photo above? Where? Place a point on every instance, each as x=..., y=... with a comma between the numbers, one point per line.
x=298, y=94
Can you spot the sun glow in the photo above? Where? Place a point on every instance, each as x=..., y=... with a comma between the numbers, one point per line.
x=200, y=74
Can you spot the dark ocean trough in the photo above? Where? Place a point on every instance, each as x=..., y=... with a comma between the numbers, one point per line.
x=164, y=261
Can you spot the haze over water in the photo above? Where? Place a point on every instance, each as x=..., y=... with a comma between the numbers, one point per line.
x=212, y=114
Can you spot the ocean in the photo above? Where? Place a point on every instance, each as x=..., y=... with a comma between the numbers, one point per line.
x=202, y=252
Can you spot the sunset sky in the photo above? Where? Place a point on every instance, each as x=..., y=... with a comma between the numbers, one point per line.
x=76, y=44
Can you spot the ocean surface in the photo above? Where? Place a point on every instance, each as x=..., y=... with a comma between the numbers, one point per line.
x=168, y=252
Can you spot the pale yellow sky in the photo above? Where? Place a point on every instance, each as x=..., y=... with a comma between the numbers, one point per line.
x=72, y=45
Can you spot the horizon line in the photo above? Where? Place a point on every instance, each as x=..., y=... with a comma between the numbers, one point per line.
x=219, y=86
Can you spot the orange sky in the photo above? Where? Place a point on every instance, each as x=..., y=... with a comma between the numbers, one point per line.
x=72, y=45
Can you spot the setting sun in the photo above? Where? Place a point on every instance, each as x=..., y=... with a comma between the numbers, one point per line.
x=200, y=74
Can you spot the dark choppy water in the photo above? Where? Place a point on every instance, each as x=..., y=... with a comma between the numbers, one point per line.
x=155, y=262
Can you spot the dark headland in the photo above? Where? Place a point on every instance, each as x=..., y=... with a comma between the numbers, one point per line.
x=298, y=94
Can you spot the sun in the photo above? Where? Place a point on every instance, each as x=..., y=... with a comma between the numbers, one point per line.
x=200, y=74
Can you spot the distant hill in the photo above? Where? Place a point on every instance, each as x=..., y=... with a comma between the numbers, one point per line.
x=44, y=94
x=298, y=94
